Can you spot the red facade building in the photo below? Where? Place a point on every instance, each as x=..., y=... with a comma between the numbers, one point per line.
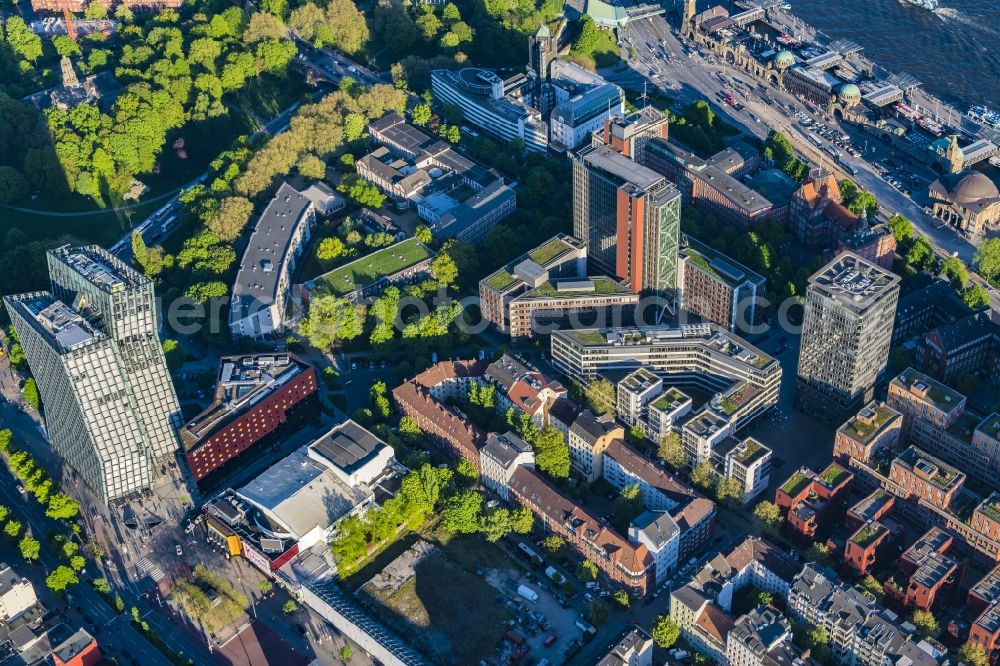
x=80, y=649
x=811, y=501
x=929, y=569
x=255, y=397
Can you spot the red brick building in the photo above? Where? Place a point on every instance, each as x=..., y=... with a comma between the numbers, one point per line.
x=875, y=428
x=80, y=649
x=812, y=501
x=876, y=244
x=865, y=545
x=985, y=631
x=923, y=476
x=423, y=398
x=986, y=517
x=255, y=398
x=874, y=507
x=929, y=569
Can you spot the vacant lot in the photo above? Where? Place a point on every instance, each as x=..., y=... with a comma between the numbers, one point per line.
x=448, y=613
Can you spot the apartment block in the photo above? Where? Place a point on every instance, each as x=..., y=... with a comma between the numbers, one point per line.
x=928, y=569
x=874, y=430
x=748, y=462
x=634, y=649
x=629, y=217
x=915, y=395
x=984, y=604
x=523, y=387
x=498, y=460
x=17, y=594
x=643, y=401
x=969, y=444
x=986, y=517
x=589, y=437
x=846, y=331
x=259, y=301
x=868, y=543
x=256, y=398
x=718, y=288
x=763, y=637
x=813, y=501
x=922, y=476
x=874, y=507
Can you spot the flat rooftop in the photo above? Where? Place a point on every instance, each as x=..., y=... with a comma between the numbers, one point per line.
x=99, y=267
x=870, y=421
x=615, y=164
x=348, y=446
x=640, y=380
x=62, y=326
x=749, y=451
x=869, y=507
x=718, y=265
x=940, y=473
x=747, y=199
x=593, y=286
x=928, y=390
x=371, y=268
x=671, y=399
x=853, y=281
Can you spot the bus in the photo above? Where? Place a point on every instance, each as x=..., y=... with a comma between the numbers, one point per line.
x=169, y=224
x=815, y=139
x=832, y=152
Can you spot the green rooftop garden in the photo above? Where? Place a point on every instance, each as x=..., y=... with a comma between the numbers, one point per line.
x=795, y=484
x=834, y=475
x=501, y=280
x=602, y=286
x=590, y=337
x=545, y=253
x=991, y=507
x=867, y=535
x=729, y=406
x=751, y=451
x=669, y=398
x=373, y=267
x=862, y=430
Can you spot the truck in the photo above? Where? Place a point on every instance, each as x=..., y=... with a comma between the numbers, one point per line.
x=514, y=637
x=527, y=593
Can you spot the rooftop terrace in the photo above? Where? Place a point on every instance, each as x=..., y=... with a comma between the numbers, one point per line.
x=869, y=534
x=670, y=399
x=577, y=288
x=990, y=507
x=373, y=267
x=833, y=475
x=750, y=451
x=868, y=422
x=796, y=483
x=940, y=473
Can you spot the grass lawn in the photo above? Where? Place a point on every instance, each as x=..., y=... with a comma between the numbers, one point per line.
x=268, y=95
x=607, y=53
x=371, y=268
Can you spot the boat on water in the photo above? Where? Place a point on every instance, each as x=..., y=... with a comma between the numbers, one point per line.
x=984, y=116
x=929, y=5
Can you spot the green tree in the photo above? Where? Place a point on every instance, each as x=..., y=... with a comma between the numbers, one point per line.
x=871, y=584
x=423, y=234
x=265, y=586
x=495, y=525
x=729, y=492
x=628, y=504
x=976, y=297
x=29, y=548
x=987, y=258
x=6, y=437
x=553, y=544
x=331, y=320
x=551, y=452
x=926, y=623
x=290, y=608
x=665, y=632
x=354, y=126
x=444, y=269
x=856, y=200
x=22, y=41
x=818, y=641
x=621, y=598
x=202, y=292
x=820, y=553
x=901, y=228
x=232, y=217
x=973, y=654
x=30, y=393
x=600, y=396
x=597, y=612
x=586, y=572
x=96, y=11
x=62, y=507
x=408, y=426
x=13, y=528
x=467, y=471
x=588, y=38
x=704, y=476
x=522, y=520
x=768, y=517
x=460, y=512
x=421, y=113
x=954, y=269
x=119, y=603
x=61, y=578
x=65, y=46
x=345, y=653
x=671, y=451
x=101, y=585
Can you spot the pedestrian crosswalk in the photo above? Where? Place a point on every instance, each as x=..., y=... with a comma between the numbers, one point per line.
x=148, y=568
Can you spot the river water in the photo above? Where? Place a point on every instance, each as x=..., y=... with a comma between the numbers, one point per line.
x=954, y=51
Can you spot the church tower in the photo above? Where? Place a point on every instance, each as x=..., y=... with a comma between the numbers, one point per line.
x=687, y=21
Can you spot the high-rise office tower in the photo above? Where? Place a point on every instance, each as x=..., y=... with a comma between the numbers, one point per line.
x=629, y=216
x=93, y=348
x=846, y=331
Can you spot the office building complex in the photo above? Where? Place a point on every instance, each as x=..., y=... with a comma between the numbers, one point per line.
x=718, y=288
x=111, y=410
x=917, y=396
x=629, y=217
x=629, y=135
x=256, y=397
x=846, y=332
x=260, y=293
x=874, y=430
x=966, y=346
x=584, y=102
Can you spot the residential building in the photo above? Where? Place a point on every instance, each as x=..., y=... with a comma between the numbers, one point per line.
x=491, y=103
x=701, y=356
x=498, y=460
x=873, y=508
x=925, y=308
x=748, y=462
x=629, y=565
x=634, y=393
x=121, y=302
x=717, y=288
x=986, y=517
x=922, y=476
x=661, y=535
x=846, y=331
x=875, y=244
x=256, y=397
x=874, y=430
x=568, y=303
x=763, y=637
x=870, y=541
x=812, y=501
x=643, y=401
x=703, y=624
x=984, y=604
x=664, y=414
x=917, y=396
x=80, y=649
x=629, y=216
x=970, y=444
x=92, y=409
x=629, y=135
x=17, y=594
x=588, y=437
x=561, y=256
x=967, y=346
x=929, y=570
x=985, y=593
x=523, y=387
x=259, y=301
x=703, y=434
x=423, y=396
x=457, y=197
x=817, y=218
x=634, y=649
x=78, y=6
